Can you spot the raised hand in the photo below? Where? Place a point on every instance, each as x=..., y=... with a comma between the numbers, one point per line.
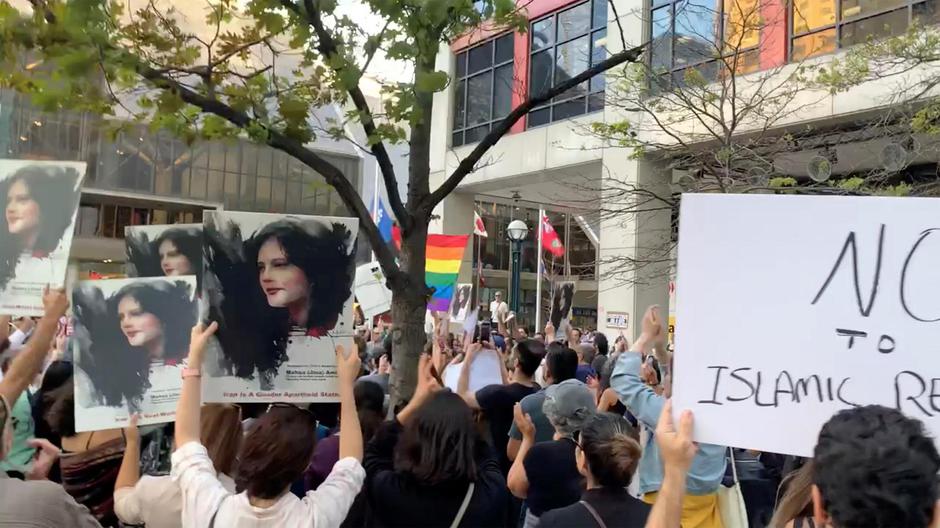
x=199, y=338
x=347, y=366
x=676, y=447
x=54, y=302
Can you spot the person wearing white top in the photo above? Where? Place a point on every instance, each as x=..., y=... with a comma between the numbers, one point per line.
x=157, y=502
x=273, y=455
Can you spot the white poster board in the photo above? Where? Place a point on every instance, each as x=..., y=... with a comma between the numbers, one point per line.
x=562, y=302
x=483, y=372
x=131, y=337
x=371, y=291
x=281, y=288
x=40, y=199
x=811, y=305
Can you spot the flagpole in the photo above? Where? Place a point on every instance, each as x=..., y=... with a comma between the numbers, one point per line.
x=375, y=197
x=538, y=279
x=479, y=266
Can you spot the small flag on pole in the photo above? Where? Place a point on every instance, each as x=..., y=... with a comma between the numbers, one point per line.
x=479, y=228
x=383, y=219
x=550, y=240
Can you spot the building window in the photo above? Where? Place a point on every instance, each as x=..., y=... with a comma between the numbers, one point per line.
x=822, y=26
x=703, y=37
x=561, y=46
x=483, y=93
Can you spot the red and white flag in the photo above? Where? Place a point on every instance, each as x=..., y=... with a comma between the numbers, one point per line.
x=479, y=228
x=550, y=240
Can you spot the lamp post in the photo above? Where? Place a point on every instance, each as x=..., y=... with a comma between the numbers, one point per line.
x=517, y=230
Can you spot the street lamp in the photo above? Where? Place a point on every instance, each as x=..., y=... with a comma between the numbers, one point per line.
x=517, y=231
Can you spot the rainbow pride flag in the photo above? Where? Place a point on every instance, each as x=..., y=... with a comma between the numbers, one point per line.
x=444, y=254
x=442, y=264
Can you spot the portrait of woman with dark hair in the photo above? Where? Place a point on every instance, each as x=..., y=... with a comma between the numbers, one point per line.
x=39, y=200
x=461, y=303
x=289, y=278
x=164, y=251
x=562, y=301
x=128, y=332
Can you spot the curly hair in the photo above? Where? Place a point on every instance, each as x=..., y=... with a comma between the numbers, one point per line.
x=143, y=255
x=875, y=467
x=253, y=334
x=55, y=190
x=118, y=371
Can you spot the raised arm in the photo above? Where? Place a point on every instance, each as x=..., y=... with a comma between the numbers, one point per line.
x=518, y=479
x=350, y=433
x=677, y=450
x=639, y=398
x=28, y=364
x=129, y=473
x=187, y=409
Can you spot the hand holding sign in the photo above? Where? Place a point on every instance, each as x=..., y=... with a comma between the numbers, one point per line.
x=197, y=343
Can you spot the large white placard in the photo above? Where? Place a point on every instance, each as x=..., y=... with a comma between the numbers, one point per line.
x=281, y=288
x=39, y=202
x=371, y=291
x=132, y=337
x=796, y=307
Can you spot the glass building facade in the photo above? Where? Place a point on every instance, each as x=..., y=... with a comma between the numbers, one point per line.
x=140, y=178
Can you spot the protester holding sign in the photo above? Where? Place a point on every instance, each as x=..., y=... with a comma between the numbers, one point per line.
x=700, y=506
x=36, y=502
x=156, y=501
x=274, y=454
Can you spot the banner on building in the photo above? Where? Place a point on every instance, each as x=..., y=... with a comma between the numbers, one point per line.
x=40, y=200
x=813, y=305
x=131, y=338
x=281, y=289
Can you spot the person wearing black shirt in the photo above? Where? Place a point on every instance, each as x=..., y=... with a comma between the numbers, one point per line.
x=497, y=401
x=421, y=467
x=546, y=474
x=607, y=453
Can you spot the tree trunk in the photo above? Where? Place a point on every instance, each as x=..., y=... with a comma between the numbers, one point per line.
x=409, y=304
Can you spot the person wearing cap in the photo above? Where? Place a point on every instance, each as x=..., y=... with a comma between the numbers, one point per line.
x=546, y=473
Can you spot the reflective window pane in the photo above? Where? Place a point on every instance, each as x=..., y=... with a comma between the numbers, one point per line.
x=742, y=24
x=595, y=102
x=568, y=109
x=476, y=134
x=695, y=32
x=479, y=94
x=457, y=139
x=813, y=14
x=856, y=8
x=661, y=47
x=540, y=78
x=598, y=54
x=539, y=117
x=881, y=26
x=461, y=64
x=459, y=104
x=502, y=91
x=927, y=13
x=599, y=15
x=504, y=48
x=812, y=45
x=574, y=22
x=573, y=58
x=543, y=33
x=481, y=57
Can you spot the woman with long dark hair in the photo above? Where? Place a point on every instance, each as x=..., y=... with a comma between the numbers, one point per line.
x=430, y=466
x=291, y=277
x=39, y=204
x=140, y=325
x=273, y=454
x=607, y=454
x=176, y=251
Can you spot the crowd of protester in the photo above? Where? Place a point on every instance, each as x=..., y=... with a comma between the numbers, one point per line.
x=578, y=434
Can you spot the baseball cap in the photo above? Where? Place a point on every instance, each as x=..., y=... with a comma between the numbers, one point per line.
x=568, y=405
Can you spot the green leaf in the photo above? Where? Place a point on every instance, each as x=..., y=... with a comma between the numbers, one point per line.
x=431, y=81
